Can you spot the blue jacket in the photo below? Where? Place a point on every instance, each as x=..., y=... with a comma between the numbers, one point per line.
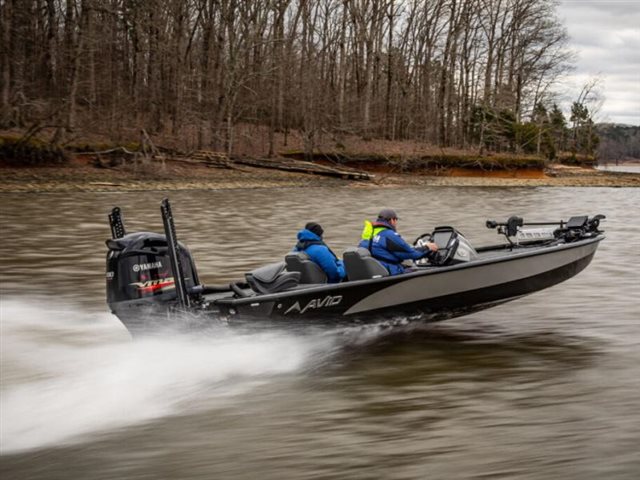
x=312, y=245
x=389, y=248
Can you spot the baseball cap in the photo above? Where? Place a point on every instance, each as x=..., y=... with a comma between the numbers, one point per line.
x=387, y=214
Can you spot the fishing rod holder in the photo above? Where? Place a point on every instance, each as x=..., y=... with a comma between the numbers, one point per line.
x=174, y=257
x=116, y=223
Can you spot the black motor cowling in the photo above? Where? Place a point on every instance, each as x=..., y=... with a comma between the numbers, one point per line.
x=139, y=269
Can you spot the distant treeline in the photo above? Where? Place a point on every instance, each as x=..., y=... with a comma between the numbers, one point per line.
x=618, y=142
x=464, y=73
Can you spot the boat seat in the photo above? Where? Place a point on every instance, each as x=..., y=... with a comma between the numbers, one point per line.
x=272, y=278
x=360, y=265
x=310, y=271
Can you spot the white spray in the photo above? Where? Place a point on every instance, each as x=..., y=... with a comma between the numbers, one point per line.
x=68, y=373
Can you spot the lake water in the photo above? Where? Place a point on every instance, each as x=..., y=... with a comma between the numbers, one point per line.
x=623, y=168
x=544, y=387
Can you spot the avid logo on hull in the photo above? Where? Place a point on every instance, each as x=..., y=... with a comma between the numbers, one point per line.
x=315, y=303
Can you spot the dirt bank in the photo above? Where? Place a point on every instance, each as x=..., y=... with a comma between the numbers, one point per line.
x=82, y=177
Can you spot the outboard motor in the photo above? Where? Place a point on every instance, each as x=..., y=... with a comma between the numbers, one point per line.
x=138, y=267
x=141, y=284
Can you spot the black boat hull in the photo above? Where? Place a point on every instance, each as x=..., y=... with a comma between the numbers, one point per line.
x=152, y=282
x=435, y=294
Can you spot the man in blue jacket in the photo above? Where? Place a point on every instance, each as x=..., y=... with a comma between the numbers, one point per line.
x=388, y=247
x=310, y=242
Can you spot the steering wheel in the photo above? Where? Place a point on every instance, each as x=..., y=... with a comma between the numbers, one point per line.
x=439, y=258
x=421, y=240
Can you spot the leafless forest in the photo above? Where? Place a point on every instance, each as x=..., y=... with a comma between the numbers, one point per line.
x=461, y=73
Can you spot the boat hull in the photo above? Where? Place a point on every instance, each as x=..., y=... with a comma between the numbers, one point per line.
x=431, y=295
x=428, y=295
x=152, y=282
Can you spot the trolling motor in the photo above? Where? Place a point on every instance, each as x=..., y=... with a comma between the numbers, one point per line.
x=575, y=228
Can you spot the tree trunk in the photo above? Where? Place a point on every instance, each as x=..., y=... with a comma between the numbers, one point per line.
x=443, y=101
x=6, y=14
x=77, y=59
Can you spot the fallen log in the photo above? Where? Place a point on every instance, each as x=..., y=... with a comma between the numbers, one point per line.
x=221, y=160
x=195, y=161
x=213, y=158
x=210, y=159
x=300, y=166
x=106, y=152
x=105, y=184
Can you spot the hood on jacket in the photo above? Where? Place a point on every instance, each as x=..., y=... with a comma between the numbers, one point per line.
x=381, y=222
x=305, y=235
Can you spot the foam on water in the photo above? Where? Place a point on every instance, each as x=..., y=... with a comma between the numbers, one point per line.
x=67, y=373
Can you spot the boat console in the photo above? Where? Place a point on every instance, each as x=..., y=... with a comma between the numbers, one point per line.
x=453, y=247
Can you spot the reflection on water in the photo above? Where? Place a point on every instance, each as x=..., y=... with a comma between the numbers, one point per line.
x=475, y=350
x=543, y=387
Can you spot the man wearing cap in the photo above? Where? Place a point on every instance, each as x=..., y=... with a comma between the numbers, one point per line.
x=387, y=246
x=310, y=242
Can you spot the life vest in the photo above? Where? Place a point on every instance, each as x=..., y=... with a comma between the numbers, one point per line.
x=370, y=230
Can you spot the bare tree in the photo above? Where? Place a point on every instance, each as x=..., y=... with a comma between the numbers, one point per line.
x=448, y=72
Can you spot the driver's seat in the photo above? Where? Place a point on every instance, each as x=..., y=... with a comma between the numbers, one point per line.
x=360, y=265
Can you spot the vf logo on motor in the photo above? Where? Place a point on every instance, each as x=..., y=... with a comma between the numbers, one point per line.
x=153, y=285
x=315, y=303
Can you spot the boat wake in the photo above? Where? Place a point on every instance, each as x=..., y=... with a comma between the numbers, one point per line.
x=71, y=375
x=67, y=374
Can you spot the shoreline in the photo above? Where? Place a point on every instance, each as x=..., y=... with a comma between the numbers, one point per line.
x=173, y=176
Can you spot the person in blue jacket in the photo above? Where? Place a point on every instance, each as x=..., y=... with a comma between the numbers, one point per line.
x=310, y=242
x=387, y=246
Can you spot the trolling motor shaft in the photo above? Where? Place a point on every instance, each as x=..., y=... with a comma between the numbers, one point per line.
x=575, y=227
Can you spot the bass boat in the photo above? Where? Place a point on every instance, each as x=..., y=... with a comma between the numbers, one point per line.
x=152, y=281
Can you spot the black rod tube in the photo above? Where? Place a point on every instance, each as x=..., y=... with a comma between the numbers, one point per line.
x=174, y=258
x=116, y=223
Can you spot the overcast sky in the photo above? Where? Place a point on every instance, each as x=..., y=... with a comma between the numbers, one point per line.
x=605, y=35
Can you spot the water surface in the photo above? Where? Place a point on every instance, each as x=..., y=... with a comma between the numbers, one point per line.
x=623, y=167
x=543, y=387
